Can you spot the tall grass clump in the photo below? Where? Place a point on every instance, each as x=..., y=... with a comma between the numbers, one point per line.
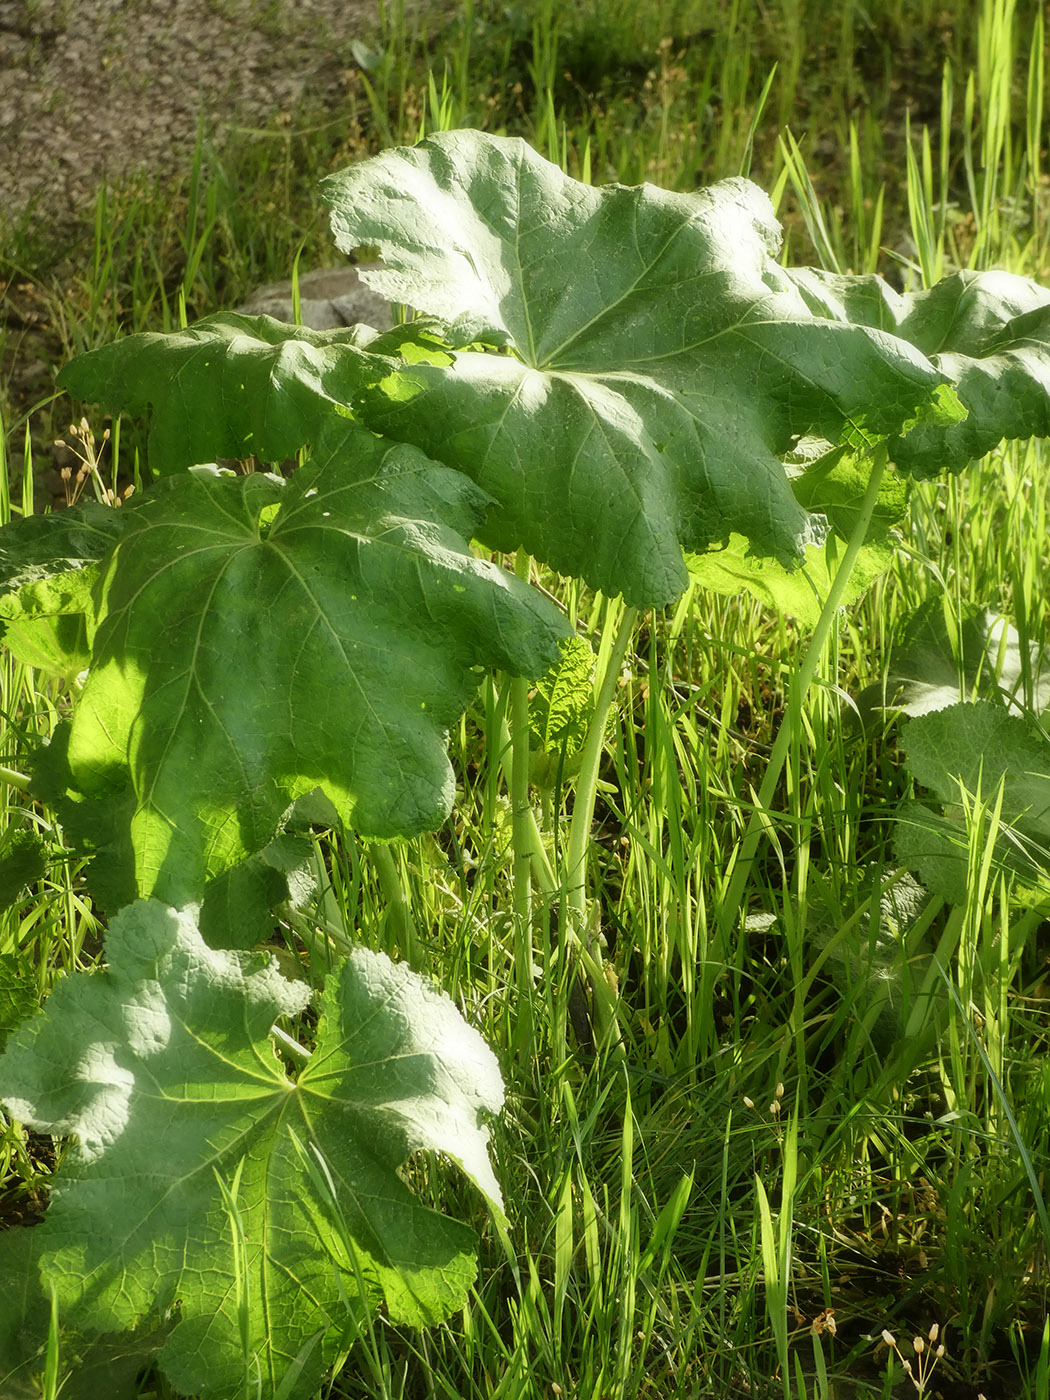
x=825, y=1114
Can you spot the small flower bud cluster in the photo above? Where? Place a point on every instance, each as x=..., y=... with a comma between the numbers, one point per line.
x=83, y=446
x=775, y=1108
x=928, y=1351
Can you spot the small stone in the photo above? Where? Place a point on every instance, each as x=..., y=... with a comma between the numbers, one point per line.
x=329, y=299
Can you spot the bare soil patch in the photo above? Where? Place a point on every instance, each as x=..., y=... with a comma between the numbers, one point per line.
x=93, y=90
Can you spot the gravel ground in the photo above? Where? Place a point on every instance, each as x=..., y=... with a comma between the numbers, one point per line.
x=93, y=89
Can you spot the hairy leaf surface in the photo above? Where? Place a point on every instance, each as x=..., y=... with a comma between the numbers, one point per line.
x=162, y=1070
x=18, y=994
x=91, y=1367
x=256, y=639
x=663, y=361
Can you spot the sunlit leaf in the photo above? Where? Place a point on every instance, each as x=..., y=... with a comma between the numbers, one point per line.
x=162, y=1072
x=663, y=362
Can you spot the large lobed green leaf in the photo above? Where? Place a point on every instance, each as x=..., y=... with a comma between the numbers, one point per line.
x=834, y=482
x=228, y=386
x=663, y=364
x=976, y=748
x=48, y=567
x=255, y=639
x=657, y=367
x=91, y=1366
x=262, y=1212
x=944, y=652
x=989, y=332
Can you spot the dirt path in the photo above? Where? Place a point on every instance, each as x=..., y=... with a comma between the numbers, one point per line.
x=96, y=88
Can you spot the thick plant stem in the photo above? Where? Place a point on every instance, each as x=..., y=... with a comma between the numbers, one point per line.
x=523, y=841
x=520, y=803
x=574, y=921
x=732, y=899
x=528, y=838
x=590, y=761
x=296, y=1052
x=397, y=903
x=523, y=823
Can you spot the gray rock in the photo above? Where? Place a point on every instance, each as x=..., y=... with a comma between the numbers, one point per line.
x=330, y=297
